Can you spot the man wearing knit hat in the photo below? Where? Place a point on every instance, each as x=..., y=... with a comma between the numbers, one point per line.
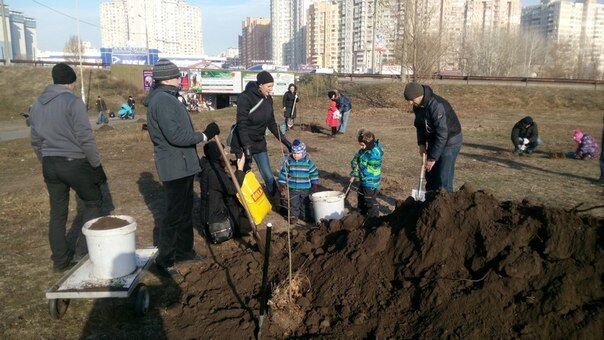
x=174, y=141
x=438, y=134
x=62, y=138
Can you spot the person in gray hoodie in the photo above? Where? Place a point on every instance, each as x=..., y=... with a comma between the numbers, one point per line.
x=174, y=142
x=62, y=138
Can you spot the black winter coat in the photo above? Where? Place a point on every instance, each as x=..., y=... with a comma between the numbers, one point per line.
x=436, y=124
x=218, y=200
x=250, y=130
x=288, y=104
x=519, y=131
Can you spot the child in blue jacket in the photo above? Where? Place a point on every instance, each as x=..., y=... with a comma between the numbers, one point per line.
x=367, y=166
x=300, y=174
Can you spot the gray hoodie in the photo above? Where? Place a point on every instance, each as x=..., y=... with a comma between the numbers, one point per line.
x=60, y=126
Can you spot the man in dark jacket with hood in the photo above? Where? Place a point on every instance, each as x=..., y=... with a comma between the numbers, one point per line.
x=174, y=142
x=63, y=141
x=254, y=115
x=438, y=134
x=525, y=136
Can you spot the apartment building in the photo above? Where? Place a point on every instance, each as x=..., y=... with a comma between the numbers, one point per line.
x=323, y=30
x=21, y=35
x=255, y=42
x=171, y=26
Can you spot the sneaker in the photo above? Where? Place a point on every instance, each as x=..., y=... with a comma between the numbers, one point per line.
x=189, y=257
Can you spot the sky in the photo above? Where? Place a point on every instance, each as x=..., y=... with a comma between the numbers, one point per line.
x=221, y=20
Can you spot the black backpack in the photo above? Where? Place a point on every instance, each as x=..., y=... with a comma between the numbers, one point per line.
x=219, y=232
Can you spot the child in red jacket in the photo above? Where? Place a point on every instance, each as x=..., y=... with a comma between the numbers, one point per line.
x=333, y=114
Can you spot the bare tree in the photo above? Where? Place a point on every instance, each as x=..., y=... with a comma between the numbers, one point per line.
x=72, y=48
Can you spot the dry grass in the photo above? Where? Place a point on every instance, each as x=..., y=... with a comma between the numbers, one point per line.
x=285, y=312
x=127, y=154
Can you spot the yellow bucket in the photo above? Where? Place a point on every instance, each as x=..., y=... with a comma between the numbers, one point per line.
x=256, y=199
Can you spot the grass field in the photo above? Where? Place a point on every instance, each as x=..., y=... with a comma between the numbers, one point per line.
x=487, y=115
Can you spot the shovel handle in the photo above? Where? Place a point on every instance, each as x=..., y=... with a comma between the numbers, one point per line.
x=422, y=173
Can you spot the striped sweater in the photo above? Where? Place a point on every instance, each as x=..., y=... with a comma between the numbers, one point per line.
x=301, y=175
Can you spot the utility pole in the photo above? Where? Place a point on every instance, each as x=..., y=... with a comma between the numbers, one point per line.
x=147, y=35
x=80, y=51
x=6, y=54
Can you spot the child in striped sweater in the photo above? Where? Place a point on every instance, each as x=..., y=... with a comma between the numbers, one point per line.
x=300, y=174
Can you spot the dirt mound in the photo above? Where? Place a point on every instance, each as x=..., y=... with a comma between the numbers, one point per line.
x=462, y=264
x=105, y=127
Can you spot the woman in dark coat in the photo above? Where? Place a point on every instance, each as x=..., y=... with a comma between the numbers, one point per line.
x=219, y=203
x=255, y=114
x=289, y=111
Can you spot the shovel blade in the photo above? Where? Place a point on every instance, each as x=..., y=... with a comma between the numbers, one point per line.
x=418, y=195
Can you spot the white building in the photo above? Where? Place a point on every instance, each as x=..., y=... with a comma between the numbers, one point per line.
x=288, y=31
x=323, y=28
x=21, y=34
x=578, y=24
x=172, y=26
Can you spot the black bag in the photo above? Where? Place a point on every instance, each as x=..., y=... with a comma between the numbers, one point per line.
x=219, y=232
x=111, y=114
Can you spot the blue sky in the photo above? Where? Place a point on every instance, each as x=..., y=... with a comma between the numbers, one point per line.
x=221, y=20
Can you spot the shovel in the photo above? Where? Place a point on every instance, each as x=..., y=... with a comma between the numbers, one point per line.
x=245, y=207
x=264, y=287
x=419, y=194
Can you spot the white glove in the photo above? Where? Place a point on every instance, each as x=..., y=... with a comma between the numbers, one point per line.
x=525, y=141
x=522, y=147
x=337, y=114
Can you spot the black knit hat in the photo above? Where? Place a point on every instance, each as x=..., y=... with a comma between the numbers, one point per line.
x=264, y=78
x=164, y=69
x=413, y=90
x=63, y=74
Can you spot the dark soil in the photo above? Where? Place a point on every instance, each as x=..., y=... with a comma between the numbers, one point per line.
x=108, y=222
x=464, y=265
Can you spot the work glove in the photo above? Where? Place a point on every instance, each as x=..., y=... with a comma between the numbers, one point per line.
x=525, y=141
x=314, y=188
x=99, y=175
x=282, y=187
x=211, y=130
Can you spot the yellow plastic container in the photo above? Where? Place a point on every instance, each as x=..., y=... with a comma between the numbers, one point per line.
x=256, y=199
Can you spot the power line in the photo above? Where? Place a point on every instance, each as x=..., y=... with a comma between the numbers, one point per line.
x=65, y=14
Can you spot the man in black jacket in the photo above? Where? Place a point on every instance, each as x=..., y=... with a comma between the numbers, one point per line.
x=174, y=141
x=438, y=134
x=525, y=136
x=254, y=115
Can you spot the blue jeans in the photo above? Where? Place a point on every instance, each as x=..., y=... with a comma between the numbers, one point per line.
x=264, y=166
x=344, y=121
x=443, y=171
x=102, y=118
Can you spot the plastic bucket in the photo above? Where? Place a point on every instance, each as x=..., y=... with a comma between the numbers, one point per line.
x=111, y=251
x=328, y=205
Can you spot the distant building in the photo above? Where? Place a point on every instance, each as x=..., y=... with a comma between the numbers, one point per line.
x=21, y=34
x=288, y=31
x=255, y=42
x=577, y=24
x=323, y=28
x=171, y=26
x=231, y=53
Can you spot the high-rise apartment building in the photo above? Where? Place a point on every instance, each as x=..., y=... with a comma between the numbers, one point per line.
x=21, y=35
x=171, y=26
x=323, y=29
x=288, y=31
x=579, y=25
x=255, y=42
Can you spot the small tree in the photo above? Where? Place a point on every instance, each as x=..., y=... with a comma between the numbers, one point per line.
x=73, y=48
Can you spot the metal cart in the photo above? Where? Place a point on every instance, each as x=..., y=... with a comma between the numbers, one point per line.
x=79, y=283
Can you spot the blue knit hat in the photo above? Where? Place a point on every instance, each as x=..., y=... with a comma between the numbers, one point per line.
x=298, y=147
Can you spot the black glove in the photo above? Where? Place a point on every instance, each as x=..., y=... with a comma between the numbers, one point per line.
x=99, y=175
x=211, y=130
x=247, y=150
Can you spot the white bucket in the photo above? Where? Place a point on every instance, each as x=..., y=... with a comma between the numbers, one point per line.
x=112, y=251
x=328, y=205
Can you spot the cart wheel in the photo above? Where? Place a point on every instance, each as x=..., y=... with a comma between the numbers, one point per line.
x=57, y=307
x=141, y=300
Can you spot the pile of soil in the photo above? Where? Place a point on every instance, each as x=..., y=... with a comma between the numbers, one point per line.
x=108, y=222
x=462, y=264
x=105, y=127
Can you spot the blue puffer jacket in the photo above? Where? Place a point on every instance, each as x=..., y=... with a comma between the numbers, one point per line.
x=367, y=166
